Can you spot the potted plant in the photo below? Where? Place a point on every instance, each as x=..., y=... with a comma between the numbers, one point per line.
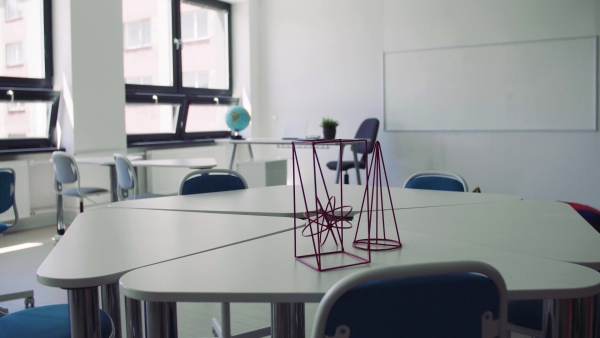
x=329, y=126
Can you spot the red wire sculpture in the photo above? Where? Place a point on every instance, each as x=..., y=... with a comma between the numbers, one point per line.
x=328, y=220
x=380, y=241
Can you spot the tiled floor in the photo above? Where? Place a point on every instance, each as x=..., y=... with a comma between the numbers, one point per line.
x=18, y=272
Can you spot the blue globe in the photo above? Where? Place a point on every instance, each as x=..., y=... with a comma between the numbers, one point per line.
x=237, y=118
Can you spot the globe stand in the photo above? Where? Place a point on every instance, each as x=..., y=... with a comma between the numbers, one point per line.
x=235, y=135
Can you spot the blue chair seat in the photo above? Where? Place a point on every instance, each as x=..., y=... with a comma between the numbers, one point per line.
x=84, y=191
x=50, y=321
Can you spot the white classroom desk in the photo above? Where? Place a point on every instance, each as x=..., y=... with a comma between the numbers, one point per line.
x=136, y=161
x=539, y=228
x=287, y=143
x=278, y=200
x=101, y=245
x=265, y=270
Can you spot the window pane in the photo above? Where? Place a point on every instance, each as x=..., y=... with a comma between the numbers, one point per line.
x=206, y=118
x=13, y=9
x=204, y=32
x=151, y=118
x=23, y=39
x=148, y=41
x=24, y=119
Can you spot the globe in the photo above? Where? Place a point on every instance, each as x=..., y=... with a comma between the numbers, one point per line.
x=237, y=118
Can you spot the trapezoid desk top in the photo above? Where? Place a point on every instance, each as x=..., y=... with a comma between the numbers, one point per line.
x=278, y=200
x=539, y=228
x=101, y=245
x=265, y=270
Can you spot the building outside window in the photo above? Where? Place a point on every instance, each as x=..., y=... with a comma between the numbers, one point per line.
x=28, y=106
x=12, y=10
x=184, y=62
x=138, y=34
x=14, y=54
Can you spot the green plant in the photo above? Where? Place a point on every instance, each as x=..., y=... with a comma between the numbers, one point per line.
x=329, y=123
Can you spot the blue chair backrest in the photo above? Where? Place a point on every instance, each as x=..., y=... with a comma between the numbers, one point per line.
x=124, y=173
x=212, y=181
x=64, y=168
x=7, y=190
x=368, y=129
x=425, y=306
x=435, y=183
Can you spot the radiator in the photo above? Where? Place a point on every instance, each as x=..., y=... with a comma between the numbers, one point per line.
x=21, y=169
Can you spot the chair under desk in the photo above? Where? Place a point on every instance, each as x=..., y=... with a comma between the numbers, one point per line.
x=137, y=161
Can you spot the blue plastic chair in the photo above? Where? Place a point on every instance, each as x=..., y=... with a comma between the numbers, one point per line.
x=459, y=299
x=436, y=180
x=7, y=197
x=211, y=180
x=7, y=202
x=215, y=180
x=127, y=180
x=368, y=130
x=51, y=321
x=67, y=172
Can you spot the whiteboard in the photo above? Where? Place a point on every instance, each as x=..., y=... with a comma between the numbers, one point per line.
x=541, y=85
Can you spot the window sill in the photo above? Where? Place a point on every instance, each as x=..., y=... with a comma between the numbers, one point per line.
x=172, y=144
x=28, y=150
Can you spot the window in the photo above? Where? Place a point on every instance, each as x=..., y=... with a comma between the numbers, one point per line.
x=194, y=25
x=12, y=10
x=176, y=62
x=138, y=34
x=14, y=54
x=198, y=79
x=28, y=105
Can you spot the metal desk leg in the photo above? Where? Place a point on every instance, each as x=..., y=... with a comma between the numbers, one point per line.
x=250, y=151
x=287, y=320
x=161, y=320
x=111, y=304
x=232, y=155
x=133, y=318
x=574, y=318
x=84, y=313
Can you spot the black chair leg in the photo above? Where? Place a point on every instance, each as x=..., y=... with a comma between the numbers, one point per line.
x=81, y=206
x=346, y=178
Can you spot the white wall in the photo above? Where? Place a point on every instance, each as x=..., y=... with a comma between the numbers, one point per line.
x=88, y=45
x=324, y=58
x=540, y=165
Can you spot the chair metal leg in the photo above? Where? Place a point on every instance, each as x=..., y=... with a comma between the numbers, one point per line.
x=60, y=222
x=346, y=178
x=81, y=205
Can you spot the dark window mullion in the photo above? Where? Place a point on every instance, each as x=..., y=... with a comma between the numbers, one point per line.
x=176, y=29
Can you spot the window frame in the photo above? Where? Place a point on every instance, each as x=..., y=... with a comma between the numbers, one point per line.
x=35, y=89
x=33, y=95
x=177, y=93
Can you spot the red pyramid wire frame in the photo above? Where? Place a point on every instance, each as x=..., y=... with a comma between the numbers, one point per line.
x=380, y=241
x=323, y=220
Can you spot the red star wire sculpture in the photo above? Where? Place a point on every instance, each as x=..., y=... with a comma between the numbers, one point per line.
x=329, y=220
x=325, y=217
